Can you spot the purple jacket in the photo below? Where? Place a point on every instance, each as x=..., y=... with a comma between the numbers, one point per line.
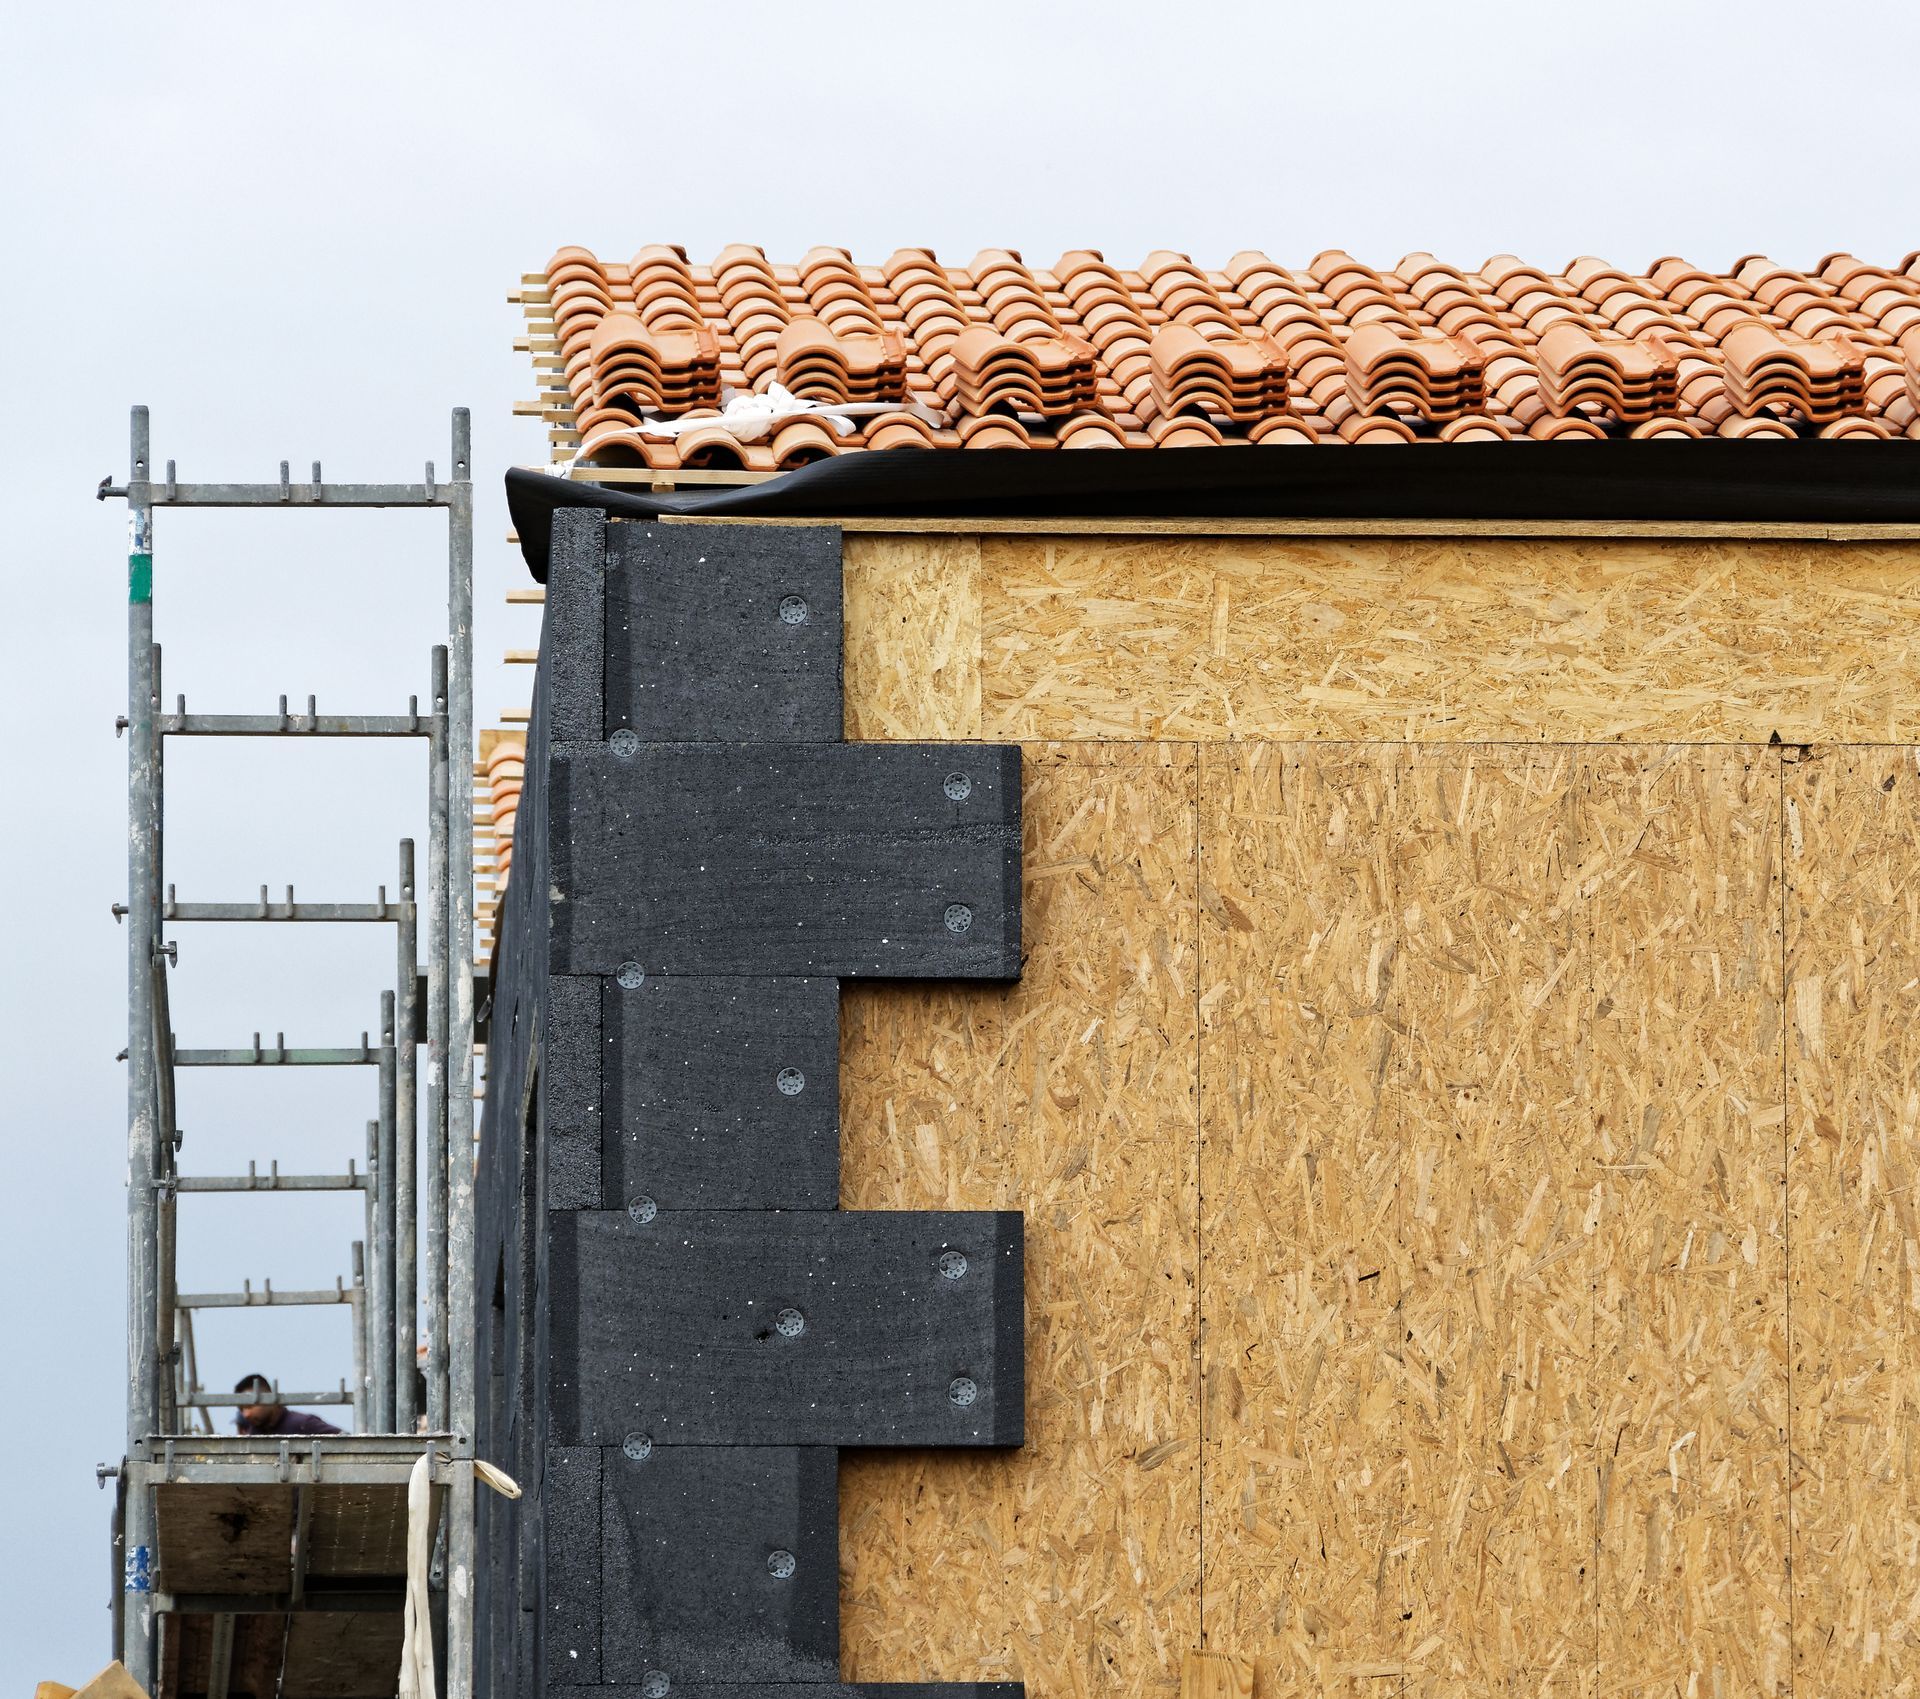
x=281, y=1420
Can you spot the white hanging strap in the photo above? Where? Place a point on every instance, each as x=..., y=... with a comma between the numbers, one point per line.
x=501, y=1482
x=416, y=1652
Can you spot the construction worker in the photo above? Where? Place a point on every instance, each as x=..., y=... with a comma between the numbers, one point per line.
x=265, y=1414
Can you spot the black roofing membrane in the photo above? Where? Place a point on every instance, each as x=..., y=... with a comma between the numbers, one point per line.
x=1765, y=481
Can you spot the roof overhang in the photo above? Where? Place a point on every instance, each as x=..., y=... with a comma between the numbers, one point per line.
x=1813, y=484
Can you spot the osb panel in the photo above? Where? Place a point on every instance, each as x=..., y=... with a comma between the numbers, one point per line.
x=1392, y=638
x=1073, y=1563
x=1304, y=1276
x=1853, y=1068
x=912, y=621
x=1489, y=1091
x=1680, y=881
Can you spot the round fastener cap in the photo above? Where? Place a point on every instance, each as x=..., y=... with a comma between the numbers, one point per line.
x=641, y=1207
x=631, y=976
x=962, y=1390
x=958, y=786
x=793, y=610
x=781, y=1564
x=790, y=1324
x=790, y=1082
x=638, y=1446
x=959, y=917
x=624, y=743
x=655, y=1685
x=952, y=1264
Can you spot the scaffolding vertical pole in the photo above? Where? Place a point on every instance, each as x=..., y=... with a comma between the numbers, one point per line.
x=117, y=1598
x=357, y=1297
x=406, y=1123
x=386, y=1223
x=438, y=952
x=156, y=862
x=380, y=1287
x=166, y=1165
x=142, y=1144
x=460, y=1246
x=370, y=1369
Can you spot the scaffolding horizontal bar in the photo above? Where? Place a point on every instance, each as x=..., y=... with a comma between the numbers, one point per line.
x=253, y=1472
x=270, y=1183
x=390, y=911
x=281, y=1604
x=292, y=494
x=274, y=1056
x=267, y=1299
x=240, y=1400
x=297, y=725
x=230, y=1459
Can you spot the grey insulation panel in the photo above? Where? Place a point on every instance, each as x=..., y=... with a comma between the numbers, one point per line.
x=569, y=1590
x=722, y=1093
x=703, y=859
x=681, y=1327
x=724, y=633
x=838, y=860
x=572, y=1087
x=572, y=637
x=725, y=1562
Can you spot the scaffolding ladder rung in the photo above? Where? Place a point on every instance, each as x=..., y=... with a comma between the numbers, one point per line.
x=239, y=1400
x=289, y=494
x=275, y=1182
x=267, y=1299
x=298, y=725
x=266, y=909
x=279, y=1056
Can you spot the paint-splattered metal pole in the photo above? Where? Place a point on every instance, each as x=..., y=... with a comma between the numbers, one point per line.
x=386, y=1231
x=460, y=1272
x=143, y=1164
x=358, y=1292
x=438, y=956
x=406, y=1147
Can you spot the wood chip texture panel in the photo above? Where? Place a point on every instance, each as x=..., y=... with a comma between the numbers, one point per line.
x=1463, y=1091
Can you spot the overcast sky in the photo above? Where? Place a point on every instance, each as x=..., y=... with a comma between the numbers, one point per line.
x=291, y=233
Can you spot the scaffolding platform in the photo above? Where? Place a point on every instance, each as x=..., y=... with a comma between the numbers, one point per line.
x=280, y=1563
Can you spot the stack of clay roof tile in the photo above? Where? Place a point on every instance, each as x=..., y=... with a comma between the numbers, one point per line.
x=1821, y=379
x=1633, y=379
x=506, y=766
x=1091, y=354
x=1204, y=361
x=1019, y=359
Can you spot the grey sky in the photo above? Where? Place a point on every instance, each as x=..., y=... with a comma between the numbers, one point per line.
x=291, y=233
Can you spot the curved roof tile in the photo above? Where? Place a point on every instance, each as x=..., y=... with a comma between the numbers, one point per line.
x=996, y=353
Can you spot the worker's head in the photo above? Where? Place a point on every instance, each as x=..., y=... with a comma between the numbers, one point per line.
x=258, y=1392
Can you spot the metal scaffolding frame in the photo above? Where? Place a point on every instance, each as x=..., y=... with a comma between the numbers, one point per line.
x=434, y=1007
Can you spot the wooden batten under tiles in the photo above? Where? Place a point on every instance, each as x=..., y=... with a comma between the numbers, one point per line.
x=1463, y=1092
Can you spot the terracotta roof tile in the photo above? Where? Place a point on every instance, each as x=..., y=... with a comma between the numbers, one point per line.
x=1089, y=354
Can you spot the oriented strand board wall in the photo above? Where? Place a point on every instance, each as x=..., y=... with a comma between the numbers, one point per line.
x=1070, y=1097
x=1409, y=638
x=1468, y=1178
x=1853, y=1150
